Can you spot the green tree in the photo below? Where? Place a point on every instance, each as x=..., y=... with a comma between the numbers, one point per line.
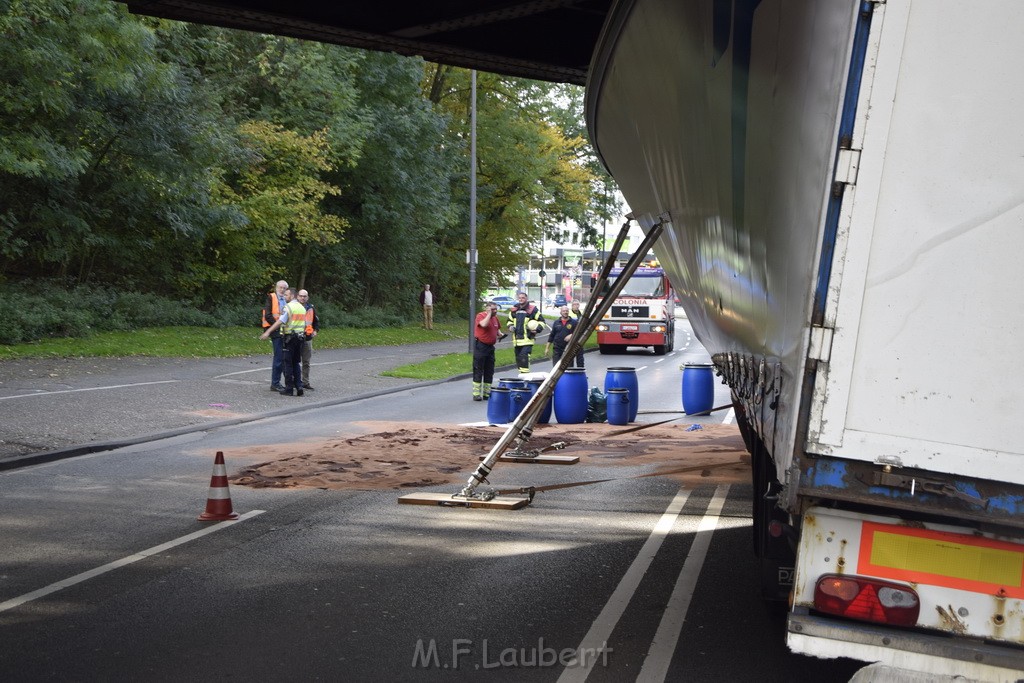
x=396, y=196
x=204, y=163
x=104, y=155
x=280, y=191
x=532, y=177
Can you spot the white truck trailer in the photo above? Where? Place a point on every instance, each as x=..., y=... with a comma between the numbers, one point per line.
x=842, y=187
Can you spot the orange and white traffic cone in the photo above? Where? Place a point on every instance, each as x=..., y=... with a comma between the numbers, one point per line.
x=218, y=504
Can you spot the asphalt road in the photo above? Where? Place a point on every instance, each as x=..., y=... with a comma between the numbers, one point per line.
x=67, y=406
x=106, y=575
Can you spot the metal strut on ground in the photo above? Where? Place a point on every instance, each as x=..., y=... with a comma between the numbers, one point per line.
x=521, y=429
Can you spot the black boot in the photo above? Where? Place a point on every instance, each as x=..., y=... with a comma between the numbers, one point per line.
x=287, y=391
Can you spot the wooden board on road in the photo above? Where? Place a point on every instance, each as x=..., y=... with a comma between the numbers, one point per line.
x=502, y=502
x=540, y=459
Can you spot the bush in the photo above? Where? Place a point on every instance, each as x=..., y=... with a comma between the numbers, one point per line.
x=363, y=318
x=131, y=311
x=54, y=311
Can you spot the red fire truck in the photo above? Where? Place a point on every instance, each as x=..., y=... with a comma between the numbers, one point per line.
x=643, y=314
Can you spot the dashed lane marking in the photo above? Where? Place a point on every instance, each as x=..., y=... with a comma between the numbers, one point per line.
x=41, y=392
x=327, y=362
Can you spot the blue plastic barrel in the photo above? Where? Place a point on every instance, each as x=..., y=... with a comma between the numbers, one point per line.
x=626, y=379
x=545, y=412
x=517, y=400
x=571, y=397
x=618, y=406
x=698, y=388
x=512, y=383
x=497, y=406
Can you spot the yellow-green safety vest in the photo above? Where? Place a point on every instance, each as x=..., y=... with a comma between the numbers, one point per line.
x=296, y=318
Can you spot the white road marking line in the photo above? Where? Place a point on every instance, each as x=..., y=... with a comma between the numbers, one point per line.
x=602, y=627
x=660, y=359
x=72, y=391
x=327, y=362
x=642, y=367
x=729, y=417
x=117, y=564
x=663, y=646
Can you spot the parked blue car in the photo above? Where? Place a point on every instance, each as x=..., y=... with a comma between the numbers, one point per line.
x=503, y=302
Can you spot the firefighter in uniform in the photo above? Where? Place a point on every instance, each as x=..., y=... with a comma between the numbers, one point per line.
x=524, y=322
x=485, y=336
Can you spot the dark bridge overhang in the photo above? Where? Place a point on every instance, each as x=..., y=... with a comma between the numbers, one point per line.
x=549, y=40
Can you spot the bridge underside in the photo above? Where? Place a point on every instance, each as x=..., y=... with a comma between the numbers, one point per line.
x=549, y=40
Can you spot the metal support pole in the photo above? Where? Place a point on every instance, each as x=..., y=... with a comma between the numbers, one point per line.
x=472, y=209
x=522, y=428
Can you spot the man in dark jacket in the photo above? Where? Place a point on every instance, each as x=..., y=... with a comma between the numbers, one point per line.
x=561, y=334
x=312, y=327
x=427, y=302
x=576, y=314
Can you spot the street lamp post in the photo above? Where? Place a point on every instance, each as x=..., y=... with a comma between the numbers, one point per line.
x=472, y=208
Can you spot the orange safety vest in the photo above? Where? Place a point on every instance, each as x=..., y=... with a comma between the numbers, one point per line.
x=309, y=321
x=275, y=310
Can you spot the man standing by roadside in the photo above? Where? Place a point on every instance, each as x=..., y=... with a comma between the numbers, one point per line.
x=524, y=322
x=561, y=334
x=576, y=314
x=485, y=336
x=312, y=327
x=427, y=301
x=271, y=312
x=293, y=323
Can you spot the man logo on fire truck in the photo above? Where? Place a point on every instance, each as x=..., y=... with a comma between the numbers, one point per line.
x=642, y=315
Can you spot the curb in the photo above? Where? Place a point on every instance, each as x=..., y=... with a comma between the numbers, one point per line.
x=42, y=457
x=101, y=446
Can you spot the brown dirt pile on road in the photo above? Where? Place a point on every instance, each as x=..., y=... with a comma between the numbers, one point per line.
x=403, y=455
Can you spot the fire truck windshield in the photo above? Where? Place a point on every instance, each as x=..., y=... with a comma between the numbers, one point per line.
x=637, y=286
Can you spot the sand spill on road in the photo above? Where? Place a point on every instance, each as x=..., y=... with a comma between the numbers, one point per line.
x=406, y=455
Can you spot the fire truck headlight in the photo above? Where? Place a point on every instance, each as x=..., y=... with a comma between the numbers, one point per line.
x=602, y=328
x=658, y=328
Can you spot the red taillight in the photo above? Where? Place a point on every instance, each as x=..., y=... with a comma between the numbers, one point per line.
x=858, y=597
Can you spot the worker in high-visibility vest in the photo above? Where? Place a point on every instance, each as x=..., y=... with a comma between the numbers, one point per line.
x=292, y=322
x=271, y=312
x=312, y=327
x=524, y=322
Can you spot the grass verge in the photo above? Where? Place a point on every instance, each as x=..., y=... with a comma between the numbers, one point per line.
x=452, y=364
x=205, y=342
